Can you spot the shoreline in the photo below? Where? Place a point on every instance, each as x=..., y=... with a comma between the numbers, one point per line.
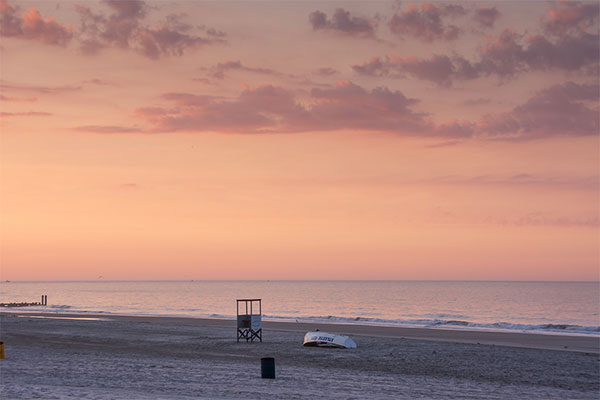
x=546, y=341
x=443, y=325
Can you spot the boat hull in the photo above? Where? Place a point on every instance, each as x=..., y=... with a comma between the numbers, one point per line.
x=324, y=339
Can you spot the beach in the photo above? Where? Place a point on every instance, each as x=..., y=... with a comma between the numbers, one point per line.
x=57, y=356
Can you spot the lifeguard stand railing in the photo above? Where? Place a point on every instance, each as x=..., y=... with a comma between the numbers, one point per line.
x=249, y=325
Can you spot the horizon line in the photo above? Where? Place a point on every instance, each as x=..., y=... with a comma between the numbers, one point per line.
x=302, y=280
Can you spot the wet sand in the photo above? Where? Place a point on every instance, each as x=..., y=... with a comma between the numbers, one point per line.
x=581, y=343
x=156, y=357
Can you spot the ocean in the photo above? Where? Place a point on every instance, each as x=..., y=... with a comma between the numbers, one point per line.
x=552, y=307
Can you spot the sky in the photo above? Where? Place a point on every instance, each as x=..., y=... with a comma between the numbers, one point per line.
x=299, y=140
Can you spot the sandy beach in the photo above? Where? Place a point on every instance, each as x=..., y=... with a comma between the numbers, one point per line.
x=118, y=357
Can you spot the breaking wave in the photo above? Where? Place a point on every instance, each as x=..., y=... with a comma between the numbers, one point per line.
x=58, y=307
x=434, y=323
x=439, y=323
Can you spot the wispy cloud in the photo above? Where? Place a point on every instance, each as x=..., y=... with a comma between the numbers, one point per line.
x=99, y=82
x=569, y=109
x=25, y=114
x=108, y=129
x=486, y=16
x=129, y=186
x=590, y=182
x=542, y=219
x=342, y=22
x=218, y=71
x=447, y=143
x=18, y=99
x=504, y=56
x=39, y=89
x=326, y=71
x=225, y=69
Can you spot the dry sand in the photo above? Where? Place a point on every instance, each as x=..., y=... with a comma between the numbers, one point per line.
x=179, y=358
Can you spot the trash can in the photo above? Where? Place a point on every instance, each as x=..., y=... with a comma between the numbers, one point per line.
x=267, y=368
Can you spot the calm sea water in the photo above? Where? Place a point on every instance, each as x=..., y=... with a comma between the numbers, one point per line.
x=566, y=307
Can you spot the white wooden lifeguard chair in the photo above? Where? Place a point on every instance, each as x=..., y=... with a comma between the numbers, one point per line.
x=249, y=325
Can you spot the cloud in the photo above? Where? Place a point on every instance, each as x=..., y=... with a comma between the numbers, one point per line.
x=508, y=55
x=504, y=56
x=215, y=33
x=265, y=108
x=18, y=99
x=343, y=23
x=439, y=69
x=118, y=28
x=571, y=17
x=129, y=186
x=206, y=81
x=154, y=43
x=454, y=129
x=40, y=89
x=123, y=28
x=590, y=183
x=99, y=82
x=426, y=22
x=349, y=106
x=377, y=67
x=127, y=8
x=32, y=26
x=542, y=219
x=107, y=129
x=272, y=109
x=486, y=16
x=218, y=71
x=25, y=114
x=569, y=109
x=11, y=22
x=447, y=143
x=326, y=71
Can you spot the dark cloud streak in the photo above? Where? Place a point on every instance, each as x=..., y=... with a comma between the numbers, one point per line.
x=107, y=129
x=272, y=109
x=342, y=22
x=569, y=109
x=26, y=114
x=486, y=16
x=426, y=22
x=504, y=57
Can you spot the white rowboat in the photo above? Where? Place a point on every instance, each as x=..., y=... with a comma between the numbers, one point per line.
x=325, y=339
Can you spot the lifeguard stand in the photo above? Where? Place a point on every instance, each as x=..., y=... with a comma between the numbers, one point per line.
x=249, y=325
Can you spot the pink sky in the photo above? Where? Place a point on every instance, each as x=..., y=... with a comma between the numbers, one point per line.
x=299, y=140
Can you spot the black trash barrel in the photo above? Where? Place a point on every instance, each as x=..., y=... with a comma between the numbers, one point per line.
x=267, y=367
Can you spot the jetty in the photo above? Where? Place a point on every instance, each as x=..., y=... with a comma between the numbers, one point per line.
x=44, y=302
